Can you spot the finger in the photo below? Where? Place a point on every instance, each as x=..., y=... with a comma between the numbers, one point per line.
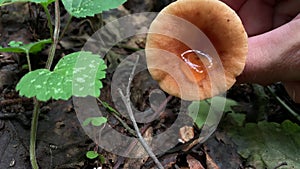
x=260, y=20
x=293, y=89
x=274, y=56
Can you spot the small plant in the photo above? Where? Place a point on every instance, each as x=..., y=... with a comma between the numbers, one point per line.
x=19, y=47
x=73, y=74
x=95, y=121
x=198, y=110
x=93, y=155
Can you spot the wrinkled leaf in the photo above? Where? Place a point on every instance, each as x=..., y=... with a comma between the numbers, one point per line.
x=84, y=8
x=77, y=74
x=268, y=144
x=19, y=47
x=198, y=110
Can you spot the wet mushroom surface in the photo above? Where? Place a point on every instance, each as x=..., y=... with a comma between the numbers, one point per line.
x=205, y=48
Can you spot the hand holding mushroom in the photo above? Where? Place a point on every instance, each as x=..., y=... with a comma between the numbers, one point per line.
x=274, y=42
x=202, y=53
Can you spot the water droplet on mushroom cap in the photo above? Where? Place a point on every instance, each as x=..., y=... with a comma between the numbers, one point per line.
x=198, y=62
x=207, y=52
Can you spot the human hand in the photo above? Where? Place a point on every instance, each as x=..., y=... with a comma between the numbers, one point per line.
x=273, y=27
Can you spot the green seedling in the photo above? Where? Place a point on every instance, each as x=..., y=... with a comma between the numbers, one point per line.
x=42, y=2
x=198, y=110
x=95, y=121
x=19, y=47
x=93, y=154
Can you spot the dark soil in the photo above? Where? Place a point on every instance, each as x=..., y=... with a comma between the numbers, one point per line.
x=62, y=143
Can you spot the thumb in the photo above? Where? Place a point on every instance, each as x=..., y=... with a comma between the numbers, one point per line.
x=274, y=56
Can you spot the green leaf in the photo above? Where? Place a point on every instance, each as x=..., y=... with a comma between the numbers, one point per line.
x=15, y=43
x=19, y=47
x=5, y=2
x=43, y=2
x=102, y=159
x=78, y=74
x=268, y=144
x=198, y=110
x=91, y=154
x=95, y=121
x=84, y=8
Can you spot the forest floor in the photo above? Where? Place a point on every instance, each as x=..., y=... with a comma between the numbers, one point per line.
x=62, y=142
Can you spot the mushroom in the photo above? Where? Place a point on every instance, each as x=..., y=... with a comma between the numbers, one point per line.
x=195, y=49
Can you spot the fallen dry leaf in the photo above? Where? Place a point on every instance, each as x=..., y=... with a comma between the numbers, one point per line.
x=211, y=164
x=186, y=133
x=194, y=163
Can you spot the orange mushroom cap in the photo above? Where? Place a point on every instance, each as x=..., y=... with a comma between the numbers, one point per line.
x=195, y=49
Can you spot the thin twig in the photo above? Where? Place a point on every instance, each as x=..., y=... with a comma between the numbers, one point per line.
x=55, y=36
x=126, y=100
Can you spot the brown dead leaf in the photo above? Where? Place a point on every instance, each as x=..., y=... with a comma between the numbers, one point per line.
x=186, y=133
x=211, y=164
x=194, y=163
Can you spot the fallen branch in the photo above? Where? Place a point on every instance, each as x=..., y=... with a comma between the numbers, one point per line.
x=126, y=100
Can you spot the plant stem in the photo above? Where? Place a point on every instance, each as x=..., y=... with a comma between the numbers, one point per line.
x=116, y=115
x=126, y=100
x=33, y=131
x=28, y=61
x=49, y=20
x=55, y=36
x=36, y=110
x=65, y=27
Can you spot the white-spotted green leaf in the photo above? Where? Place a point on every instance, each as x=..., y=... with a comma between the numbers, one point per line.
x=84, y=8
x=77, y=71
